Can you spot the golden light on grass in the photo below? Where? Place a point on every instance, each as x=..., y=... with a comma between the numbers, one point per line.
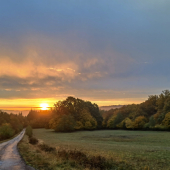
x=44, y=106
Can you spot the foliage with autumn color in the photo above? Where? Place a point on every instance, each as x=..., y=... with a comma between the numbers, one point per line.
x=11, y=124
x=68, y=115
x=153, y=114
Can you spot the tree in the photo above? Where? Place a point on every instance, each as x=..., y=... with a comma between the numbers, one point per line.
x=88, y=121
x=166, y=107
x=126, y=124
x=6, y=131
x=152, y=121
x=80, y=110
x=65, y=123
x=166, y=121
x=114, y=120
x=79, y=125
x=139, y=122
x=29, y=131
x=129, y=124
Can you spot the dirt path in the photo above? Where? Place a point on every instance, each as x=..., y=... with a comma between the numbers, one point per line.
x=9, y=156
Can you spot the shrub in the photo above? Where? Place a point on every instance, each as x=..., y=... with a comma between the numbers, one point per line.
x=146, y=126
x=6, y=131
x=33, y=140
x=46, y=148
x=29, y=131
x=90, y=162
x=160, y=127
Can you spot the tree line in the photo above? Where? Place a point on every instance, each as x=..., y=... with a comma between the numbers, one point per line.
x=153, y=114
x=76, y=114
x=11, y=124
x=68, y=115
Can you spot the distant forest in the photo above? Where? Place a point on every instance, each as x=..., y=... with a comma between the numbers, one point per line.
x=75, y=114
x=11, y=124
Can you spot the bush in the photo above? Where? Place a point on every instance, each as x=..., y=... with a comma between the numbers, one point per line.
x=90, y=162
x=6, y=131
x=160, y=127
x=33, y=140
x=46, y=148
x=29, y=131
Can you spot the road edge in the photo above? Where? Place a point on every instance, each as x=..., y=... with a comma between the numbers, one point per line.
x=27, y=167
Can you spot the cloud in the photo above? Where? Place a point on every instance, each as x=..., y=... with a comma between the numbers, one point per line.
x=90, y=50
x=45, y=68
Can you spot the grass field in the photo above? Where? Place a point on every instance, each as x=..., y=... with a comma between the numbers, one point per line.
x=140, y=149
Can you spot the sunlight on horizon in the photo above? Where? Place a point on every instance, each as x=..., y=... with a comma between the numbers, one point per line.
x=27, y=104
x=44, y=106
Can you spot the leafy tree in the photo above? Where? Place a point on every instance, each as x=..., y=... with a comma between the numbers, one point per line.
x=139, y=122
x=88, y=125
x=2, y=121
x=114, y=120
x=88, y=120
x=107, y=115
x=126, y=124
x=166, y=121
x=162, y=99
x=166, y=107
x=40, y=118
x=11, y=124
x=82, y=111
x=79, y=125
x=160, y=118
x=129, y=124
x=65, y=123
x=152, y=121
x=6, y=131
x=29, y=131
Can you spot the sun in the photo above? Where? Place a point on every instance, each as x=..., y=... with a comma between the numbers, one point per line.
x=44, y=106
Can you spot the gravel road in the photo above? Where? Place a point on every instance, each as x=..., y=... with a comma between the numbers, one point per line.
x=10, y=158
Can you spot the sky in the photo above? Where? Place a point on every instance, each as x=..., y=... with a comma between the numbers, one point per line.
x=108, y=52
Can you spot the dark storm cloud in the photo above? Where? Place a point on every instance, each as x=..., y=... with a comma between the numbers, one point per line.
x=108, y=46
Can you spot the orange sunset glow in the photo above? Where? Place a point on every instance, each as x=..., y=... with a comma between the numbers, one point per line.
x=44, y=106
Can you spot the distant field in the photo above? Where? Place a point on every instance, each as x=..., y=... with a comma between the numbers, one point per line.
x=139, y=148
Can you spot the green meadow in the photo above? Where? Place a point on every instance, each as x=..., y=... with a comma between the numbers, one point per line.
x=140, y=149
